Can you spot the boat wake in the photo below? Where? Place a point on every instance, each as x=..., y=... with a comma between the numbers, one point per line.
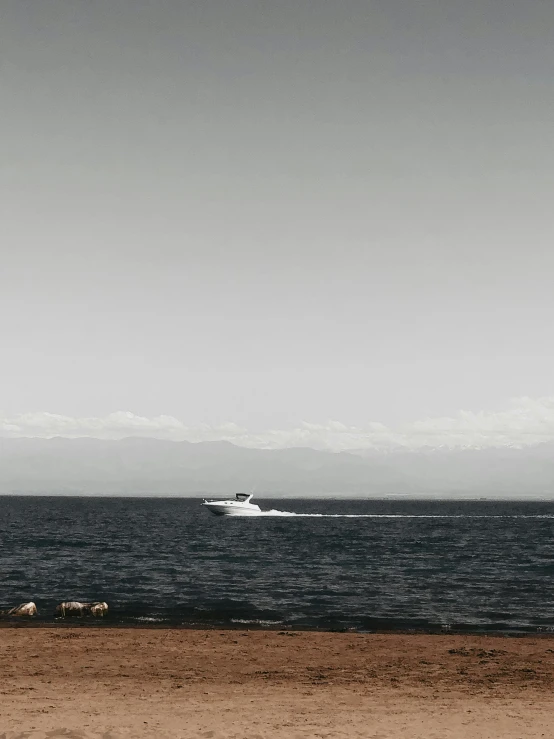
x=288, y=514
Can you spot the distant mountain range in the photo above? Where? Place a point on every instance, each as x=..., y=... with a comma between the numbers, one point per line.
x=141, y=466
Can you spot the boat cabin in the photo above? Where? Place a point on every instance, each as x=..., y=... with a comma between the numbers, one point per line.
x=243, y=497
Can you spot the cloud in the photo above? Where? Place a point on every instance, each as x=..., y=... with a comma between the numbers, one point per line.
x=116, y=425
x=525, y=422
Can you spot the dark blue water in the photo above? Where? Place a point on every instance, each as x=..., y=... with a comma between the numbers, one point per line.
x=460, y=565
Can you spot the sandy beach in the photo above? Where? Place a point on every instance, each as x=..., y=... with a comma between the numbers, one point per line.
x=111, y=683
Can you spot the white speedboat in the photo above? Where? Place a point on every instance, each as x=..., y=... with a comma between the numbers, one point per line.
x=239, y=506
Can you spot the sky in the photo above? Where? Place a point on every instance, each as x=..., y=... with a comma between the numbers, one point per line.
x=282, y=223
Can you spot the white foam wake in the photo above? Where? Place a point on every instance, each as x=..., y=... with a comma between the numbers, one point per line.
x=274, y=513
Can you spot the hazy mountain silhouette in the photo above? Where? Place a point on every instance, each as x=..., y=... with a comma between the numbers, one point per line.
x=139, y=466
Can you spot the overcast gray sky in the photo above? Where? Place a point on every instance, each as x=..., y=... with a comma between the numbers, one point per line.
x=269, y=213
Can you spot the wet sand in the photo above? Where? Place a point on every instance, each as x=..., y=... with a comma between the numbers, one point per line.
x=111, y=683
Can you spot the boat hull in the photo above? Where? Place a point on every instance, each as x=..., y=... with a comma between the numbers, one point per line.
x=221, y=509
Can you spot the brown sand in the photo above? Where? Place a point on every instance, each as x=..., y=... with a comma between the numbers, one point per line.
x=115, y=683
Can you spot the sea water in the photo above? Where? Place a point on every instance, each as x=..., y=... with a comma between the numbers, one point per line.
x=320, y=564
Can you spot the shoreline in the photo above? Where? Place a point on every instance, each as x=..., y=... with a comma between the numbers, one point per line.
x=7, y=622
